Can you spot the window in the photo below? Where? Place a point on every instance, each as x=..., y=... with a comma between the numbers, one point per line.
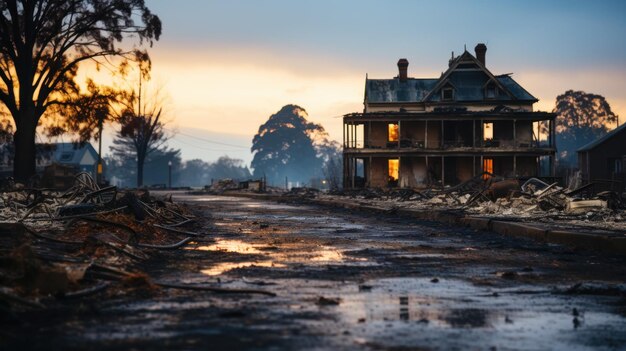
x=66, y=156
x=487, y=166
x=487, y=131
x=447, y=94
x=491, y=92
x=393, y=132
x=394, y=169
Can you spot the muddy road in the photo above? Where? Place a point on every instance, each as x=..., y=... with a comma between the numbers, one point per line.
x=346, y=280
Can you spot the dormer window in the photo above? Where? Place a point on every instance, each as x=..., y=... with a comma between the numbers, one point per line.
x=447, y=94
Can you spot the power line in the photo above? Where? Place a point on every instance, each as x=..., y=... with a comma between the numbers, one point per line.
x=213, y=141
x=203, y=148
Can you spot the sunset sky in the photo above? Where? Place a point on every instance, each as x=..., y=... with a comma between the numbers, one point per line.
x=229, y=65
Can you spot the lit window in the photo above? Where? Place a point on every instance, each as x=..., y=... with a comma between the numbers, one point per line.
x=487, y=131
x=394, y=167
x=393, y=132
x=447, y=94
x=487, y=166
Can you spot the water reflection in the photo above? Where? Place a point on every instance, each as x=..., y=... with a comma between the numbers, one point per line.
x=466, y=318
x=228, y=266
x=328, y=254
x=237, y=246
x=270, y=257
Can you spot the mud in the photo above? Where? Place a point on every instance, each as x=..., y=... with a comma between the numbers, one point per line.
x=346, y=280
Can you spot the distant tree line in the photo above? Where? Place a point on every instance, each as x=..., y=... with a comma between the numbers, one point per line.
x=121, y=167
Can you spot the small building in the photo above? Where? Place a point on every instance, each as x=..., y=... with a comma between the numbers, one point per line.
x=82, y=157
x=604, y=159
x=420, y=132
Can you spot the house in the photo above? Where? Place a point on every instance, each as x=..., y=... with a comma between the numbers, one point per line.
x=605, y=158
x=82, y=157
x=420, y=132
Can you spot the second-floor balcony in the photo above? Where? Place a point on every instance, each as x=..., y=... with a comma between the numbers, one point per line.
x=476, y=134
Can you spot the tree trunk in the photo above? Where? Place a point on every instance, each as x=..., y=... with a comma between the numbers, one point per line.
x=140, y=162
x=25, y=155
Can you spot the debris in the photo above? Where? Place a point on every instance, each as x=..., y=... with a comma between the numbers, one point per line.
x=75, y=243
x=583, y=206
x=328, y=301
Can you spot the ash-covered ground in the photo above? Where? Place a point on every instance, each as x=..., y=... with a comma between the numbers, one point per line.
x=344, y=280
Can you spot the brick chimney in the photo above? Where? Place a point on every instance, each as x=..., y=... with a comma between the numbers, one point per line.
x=403, y=65
x=481, y=52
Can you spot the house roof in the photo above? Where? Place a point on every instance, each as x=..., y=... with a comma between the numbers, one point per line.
x=71, y=153
x=601, y=140
x=466, y=75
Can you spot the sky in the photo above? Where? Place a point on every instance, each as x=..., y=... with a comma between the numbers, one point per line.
x=228, y=65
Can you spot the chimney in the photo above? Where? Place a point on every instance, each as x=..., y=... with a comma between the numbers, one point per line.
x=481, y=52
x=403, y=64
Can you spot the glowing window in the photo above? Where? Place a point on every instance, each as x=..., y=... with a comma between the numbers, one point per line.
x=487, y=131
x=393, y=132
x=488, y=166
x=394, y=167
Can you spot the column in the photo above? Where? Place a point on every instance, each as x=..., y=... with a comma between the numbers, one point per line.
x=443, y=172
x=426, y=136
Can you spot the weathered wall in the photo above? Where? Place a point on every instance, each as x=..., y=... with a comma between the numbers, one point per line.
x=464, y=168
x=434, y=134
x=413, y=130
x=379, y=134
x=379, y=174
x=599, y=157
x=413, y=172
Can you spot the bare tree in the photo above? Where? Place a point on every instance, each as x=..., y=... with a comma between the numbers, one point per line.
x=141, y=126
x=42, y=44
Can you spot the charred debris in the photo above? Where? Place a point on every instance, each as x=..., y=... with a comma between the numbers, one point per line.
x=488, y=195
x=65, y=245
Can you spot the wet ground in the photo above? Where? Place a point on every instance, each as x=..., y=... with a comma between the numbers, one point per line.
x=346, y=280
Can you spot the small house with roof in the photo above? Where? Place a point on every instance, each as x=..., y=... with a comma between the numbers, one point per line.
x=419, y=132
x=604, y=159
x=82, y=157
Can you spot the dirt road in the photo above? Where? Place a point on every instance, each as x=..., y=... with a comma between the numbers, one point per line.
x=348, y=280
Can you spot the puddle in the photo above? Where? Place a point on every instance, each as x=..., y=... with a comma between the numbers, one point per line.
x=228, y=266
x=237, y=246
x=417, y=306
x=273, y=258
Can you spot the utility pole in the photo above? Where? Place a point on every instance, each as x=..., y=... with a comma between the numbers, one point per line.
x=99, y=166
x=169, y=174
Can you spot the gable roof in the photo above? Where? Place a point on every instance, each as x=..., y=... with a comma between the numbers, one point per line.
x=71, y=153
x=601, y=140
x=466, y=74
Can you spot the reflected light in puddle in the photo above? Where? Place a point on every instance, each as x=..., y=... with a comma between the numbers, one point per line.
x=228, y=266
x=328, y=254
x=230, y=246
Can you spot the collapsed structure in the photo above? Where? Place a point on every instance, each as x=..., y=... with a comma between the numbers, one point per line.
x=417, y=132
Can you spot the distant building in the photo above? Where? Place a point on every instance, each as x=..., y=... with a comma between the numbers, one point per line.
x=417, y=132
x=605, y=158
x=82, y=157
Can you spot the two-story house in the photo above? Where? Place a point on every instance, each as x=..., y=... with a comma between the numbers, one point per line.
x=420, y=132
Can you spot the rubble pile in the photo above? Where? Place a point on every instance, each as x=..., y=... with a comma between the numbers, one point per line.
x=82, y=241
x=493, y=196
x=302, y=192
